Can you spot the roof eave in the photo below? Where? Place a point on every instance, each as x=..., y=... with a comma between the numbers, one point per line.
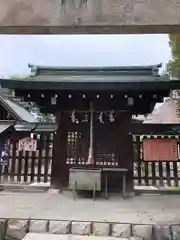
x=160, y=84
x=10, y=110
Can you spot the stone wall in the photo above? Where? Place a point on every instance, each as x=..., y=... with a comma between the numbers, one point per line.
x=89, y=16
x=16, y=229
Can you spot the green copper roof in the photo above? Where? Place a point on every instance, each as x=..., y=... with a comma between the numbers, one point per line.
x=92, y=78
x=94, y=74
x=150, y=70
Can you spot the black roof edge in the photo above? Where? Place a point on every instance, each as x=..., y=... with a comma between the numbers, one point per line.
x=36, y=126
x=12, y=122
x=160, y=84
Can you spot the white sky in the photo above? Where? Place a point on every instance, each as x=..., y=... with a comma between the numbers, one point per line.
x=79, y=50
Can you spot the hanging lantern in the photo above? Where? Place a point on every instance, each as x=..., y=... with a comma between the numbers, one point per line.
x=101, y=118
x=111, y=117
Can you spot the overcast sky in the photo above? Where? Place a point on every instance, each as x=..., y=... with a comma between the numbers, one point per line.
x=103, y=50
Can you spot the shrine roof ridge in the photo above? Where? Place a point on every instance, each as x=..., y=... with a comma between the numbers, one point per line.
x=152, y=70
x=122, y=78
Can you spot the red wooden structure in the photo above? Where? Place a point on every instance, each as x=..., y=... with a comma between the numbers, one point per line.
x=160, y=149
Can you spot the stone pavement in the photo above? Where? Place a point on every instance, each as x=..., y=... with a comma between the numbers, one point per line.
x=146, y=209
x=45, y=214
x=36, y=236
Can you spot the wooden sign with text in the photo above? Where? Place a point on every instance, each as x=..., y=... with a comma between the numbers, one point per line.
x=160, y=150
x=27, y=144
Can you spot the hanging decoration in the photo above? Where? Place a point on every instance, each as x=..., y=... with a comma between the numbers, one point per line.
x=101, y=117
x=111, y=117
x=89, y=118
x=73, y=117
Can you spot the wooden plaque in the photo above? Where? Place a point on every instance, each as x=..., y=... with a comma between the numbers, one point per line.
x=160, y=150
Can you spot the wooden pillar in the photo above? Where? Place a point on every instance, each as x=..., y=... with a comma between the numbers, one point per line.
x=124, y=147
x=60, y=172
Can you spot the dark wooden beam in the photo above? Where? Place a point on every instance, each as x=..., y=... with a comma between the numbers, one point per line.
x=124, y=147
x=59, y=173
x=143, y=102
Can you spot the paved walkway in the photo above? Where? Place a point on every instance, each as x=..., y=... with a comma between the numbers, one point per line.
x=163, y=209
x=36, y=236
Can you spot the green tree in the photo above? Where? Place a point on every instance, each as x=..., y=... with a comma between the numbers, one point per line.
x=174, y=64
x=18, y=77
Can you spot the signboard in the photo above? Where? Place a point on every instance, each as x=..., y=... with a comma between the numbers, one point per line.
x=160, y=150
x=27, y=144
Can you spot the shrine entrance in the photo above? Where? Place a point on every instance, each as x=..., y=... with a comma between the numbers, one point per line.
x=102, y=149
x=93, y=108
x=92, y=141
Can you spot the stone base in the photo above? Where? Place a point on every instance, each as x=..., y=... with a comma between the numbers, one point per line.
x=17, y=229
x=34, y=236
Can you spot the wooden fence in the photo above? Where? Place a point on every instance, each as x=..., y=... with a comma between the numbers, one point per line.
x=28, y=167
x=152, y=172
x=161, y=171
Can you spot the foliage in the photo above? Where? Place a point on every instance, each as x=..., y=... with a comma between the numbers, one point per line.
x=174, y=64
x=18, y=77
x=48, y=118
x=40, y=116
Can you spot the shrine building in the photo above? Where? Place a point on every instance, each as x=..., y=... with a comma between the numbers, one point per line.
x=93, y=108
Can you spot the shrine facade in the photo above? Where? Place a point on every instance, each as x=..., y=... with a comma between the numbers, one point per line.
x=93, y=108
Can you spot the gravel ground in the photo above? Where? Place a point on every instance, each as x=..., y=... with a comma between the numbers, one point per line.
x=144, y=209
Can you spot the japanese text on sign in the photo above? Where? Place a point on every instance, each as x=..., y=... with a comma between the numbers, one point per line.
x=27, y=144
x=160, y=150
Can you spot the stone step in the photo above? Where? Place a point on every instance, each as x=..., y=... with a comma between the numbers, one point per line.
x=48, y=236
